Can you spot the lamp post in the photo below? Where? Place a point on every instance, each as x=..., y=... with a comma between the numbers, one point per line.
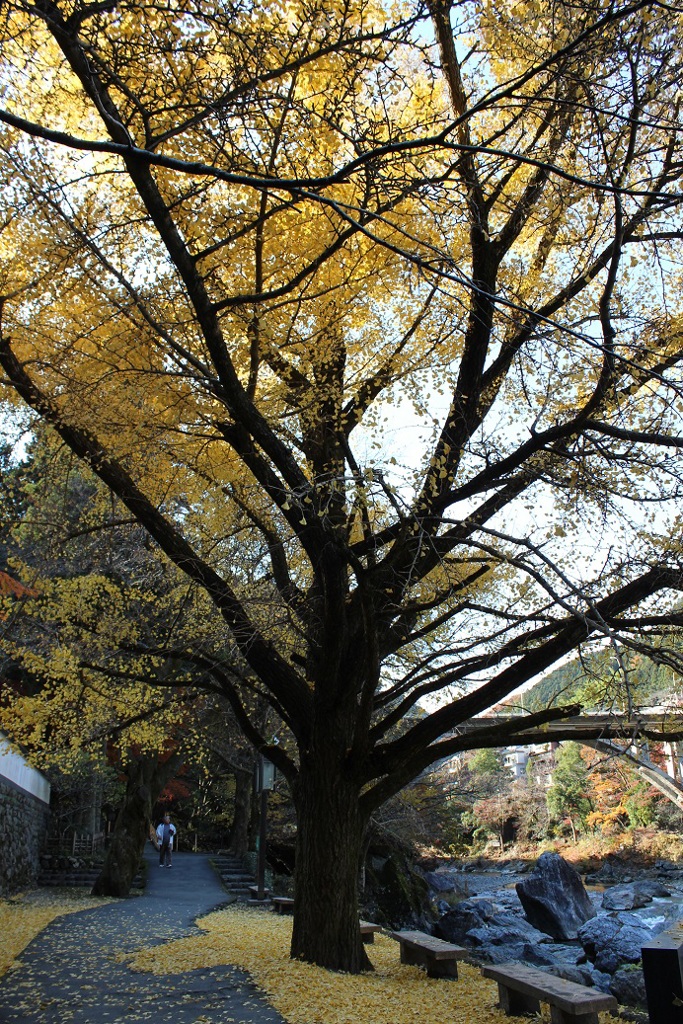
x=265, y=782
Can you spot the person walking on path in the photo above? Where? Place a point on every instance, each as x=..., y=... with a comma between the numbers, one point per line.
x=165, y=836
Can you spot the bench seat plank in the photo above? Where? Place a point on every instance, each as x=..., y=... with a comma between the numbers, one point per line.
x=521, y=988
x=438, y=948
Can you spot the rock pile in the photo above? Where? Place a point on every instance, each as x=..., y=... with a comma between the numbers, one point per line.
x=551, y=921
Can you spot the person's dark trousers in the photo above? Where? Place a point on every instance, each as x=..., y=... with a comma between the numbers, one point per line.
x=165, y=854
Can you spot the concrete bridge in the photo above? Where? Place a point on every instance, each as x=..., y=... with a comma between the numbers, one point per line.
x=624, y=736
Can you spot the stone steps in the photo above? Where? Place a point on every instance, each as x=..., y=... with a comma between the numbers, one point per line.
x=77, y=878
x=234, y=876
x=69, y=878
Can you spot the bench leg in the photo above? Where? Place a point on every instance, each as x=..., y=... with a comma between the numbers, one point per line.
x=514, y=1003
x=369, y=938
x=442, y=969
x=558, y=1016
x=435, y=968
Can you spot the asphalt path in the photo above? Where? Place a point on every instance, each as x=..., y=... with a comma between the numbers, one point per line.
x=70, y=973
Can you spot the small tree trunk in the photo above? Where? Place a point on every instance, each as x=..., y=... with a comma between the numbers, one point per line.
x=146, y=779
x=128, y=838
x=328, y=850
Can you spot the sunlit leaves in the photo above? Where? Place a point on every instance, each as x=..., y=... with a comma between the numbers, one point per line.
x=303, y=993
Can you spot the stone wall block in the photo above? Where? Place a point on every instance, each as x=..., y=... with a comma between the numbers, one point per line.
x=23, y=824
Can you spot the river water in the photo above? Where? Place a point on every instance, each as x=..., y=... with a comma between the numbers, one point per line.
x=502, y=881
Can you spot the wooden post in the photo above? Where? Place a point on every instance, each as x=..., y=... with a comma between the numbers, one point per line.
x=262, y=846
x=663, y=973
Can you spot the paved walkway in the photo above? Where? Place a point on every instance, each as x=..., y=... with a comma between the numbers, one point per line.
x=69, y=973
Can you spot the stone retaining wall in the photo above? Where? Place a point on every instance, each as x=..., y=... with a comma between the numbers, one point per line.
x=23, y=823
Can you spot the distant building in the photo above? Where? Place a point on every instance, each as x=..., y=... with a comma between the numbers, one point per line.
x=515, y=760
x=541, y=757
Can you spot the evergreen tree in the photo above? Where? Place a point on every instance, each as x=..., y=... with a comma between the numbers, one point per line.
x=567, y=797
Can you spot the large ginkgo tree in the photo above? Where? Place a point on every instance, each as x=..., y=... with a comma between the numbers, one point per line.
x=389, y=292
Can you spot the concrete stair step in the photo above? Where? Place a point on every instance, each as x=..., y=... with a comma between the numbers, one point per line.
x=237, y=879
x=77, y=879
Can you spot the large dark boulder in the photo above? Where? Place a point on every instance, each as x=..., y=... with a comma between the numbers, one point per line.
x=517, y=951
x=612, y=872
x=611, y=942
x=444, y=881
x=397, y=894
x=628, y=986
x=633, y=896
x=625, y=897
x=598, y=933
x=554, y=898
x=666, y=867
x=653, y=888
x=454, y=926
x=501, y=929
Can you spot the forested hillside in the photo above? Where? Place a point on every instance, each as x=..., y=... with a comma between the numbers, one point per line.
x=604, y=682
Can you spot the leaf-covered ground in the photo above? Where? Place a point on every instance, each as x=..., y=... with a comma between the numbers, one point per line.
x=23, y=916
x=258, y=941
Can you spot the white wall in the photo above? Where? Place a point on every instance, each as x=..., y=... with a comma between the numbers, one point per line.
x=16, y=770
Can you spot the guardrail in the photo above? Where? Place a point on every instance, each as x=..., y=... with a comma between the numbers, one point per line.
x=82, y=844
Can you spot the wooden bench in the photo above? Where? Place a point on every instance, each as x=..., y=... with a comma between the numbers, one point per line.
x=283, y=904
x=254, y=895
x=438, y=956
x=368, y=929
x=522, y=988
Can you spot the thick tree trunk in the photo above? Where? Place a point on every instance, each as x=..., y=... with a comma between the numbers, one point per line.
x=146, y=779
x=328, y=850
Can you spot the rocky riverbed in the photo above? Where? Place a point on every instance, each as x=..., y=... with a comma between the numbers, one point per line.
x=589, y=929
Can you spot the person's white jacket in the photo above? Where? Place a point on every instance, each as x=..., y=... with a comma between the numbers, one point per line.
x=160, y=834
